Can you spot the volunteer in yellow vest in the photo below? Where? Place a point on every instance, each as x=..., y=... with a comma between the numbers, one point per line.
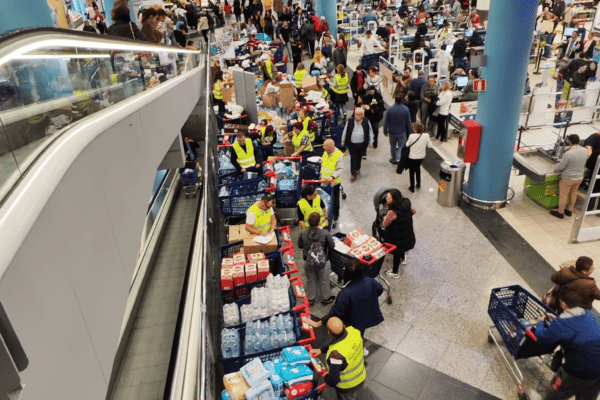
x=260, y=217
x=266, y=137
x=339, y=87
x=324, y=92
x=345, y=361
x=332, y=167
x=299, y=75
x=300, y=140
x=243, y=155
x=217, y=93
x=311, y=202
x=305, y=119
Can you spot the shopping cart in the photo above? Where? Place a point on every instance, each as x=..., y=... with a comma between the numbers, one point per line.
x=371, y=266
x=311, y=170
x=511, y=309
x=190, y=181
x=237, y=197
x=303, y=337
x=328, y=189
x=336, y=133
x=285, y=197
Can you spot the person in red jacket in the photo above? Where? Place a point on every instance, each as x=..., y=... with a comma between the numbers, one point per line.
x=317, y=25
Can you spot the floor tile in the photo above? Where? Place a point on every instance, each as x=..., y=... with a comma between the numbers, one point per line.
x=404, y=376
x=389, y=333
x=442, y=387
x=464, y=364
x=423, y=346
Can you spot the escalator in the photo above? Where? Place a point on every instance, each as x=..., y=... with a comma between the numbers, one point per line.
x=85, y=122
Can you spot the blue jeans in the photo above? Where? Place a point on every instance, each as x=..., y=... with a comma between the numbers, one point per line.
x=397, y=142
x=288, y=46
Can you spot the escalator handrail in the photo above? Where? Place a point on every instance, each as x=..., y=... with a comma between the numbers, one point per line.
x=19, y=40
x=24, y=204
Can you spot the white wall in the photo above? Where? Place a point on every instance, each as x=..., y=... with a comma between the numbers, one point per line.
x=483, y=5
x=66, y=287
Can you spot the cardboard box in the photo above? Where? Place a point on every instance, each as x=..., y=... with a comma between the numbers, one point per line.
x=228, y=93
x=289, y=148
x=287, y=96
x=256, y=256
x=310, y=83
x=251, y=272
x=239, y=258
x=250, y=246
x=239, y=276
x=226, y=278
x=263, y=269
x=263, y=87
x=270, y=100
x=234, y=233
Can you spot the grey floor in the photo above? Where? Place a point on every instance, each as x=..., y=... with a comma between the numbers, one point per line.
x=144, y=370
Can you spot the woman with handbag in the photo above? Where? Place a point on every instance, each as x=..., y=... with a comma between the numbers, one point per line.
x=122, y=25
x=417, y=144
x=444, y=101
x=399, y=231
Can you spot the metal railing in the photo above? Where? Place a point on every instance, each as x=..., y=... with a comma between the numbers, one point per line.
x=53, y=78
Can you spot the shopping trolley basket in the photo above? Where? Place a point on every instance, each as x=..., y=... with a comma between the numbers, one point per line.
x=371, y=266
x=235, y=198
x=511, y=309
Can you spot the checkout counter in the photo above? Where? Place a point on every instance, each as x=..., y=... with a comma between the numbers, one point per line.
x=538, y=164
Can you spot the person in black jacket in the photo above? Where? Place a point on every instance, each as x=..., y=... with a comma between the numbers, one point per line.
x=123, y=27
x=412, y=103
x=374, y=108
x=399, y=231
x=357, y=134
x=237, y=10
x=88, y=28
x=357, y=83
x=579, y=79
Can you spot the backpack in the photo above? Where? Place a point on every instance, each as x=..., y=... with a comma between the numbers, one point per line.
x=316, y=255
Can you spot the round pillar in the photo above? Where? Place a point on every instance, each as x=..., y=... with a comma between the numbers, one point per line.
x=507, y=47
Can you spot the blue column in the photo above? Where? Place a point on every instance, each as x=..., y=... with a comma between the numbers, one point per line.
x=328, y=9
x=507, y=47
x=21, y=14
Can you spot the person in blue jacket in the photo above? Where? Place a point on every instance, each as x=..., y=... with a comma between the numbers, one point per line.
x=357, y=304
x=578, y=332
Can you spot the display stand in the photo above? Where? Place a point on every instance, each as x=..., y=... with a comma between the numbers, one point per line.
x=415, y=63
x=354, y=24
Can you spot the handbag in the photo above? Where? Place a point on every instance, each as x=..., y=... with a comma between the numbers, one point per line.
x=403, y=163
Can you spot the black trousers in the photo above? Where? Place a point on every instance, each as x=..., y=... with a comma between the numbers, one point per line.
x=565, y=386
x=356, y=151
x=398, y=257
x=336, y=202
x=311, y=47
x=375, y=126
x=442, y=126
x=414, y=168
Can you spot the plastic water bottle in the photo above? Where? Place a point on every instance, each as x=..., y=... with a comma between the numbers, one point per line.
x=257, y=343
x=275, y=343
x=288, y=324
x=225, y=348
x=235, y=344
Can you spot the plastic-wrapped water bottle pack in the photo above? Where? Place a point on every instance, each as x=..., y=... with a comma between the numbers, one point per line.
x=224, y=191
x=325, y=197
x=231, y=314
x=271, y=334
x=224, y=157
x=230, y=343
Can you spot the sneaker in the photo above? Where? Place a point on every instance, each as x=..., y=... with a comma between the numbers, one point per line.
x=568, y=213
x=393, y=161
x=334, y=223
x=418, y=186
x=391, y=274
x=353, y=178
x=411, y=189
x=405, y=259
x=365, y=352
x=557, y=214
x=328, y=301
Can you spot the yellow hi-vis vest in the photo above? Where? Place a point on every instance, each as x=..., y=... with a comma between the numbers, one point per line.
x=325, y=93
x=342, y=84
x=268, y=4
x=328, y=165
x=269, y=66
x=263, y=218
x=83, y=98
x=352, y=349
x=299, y=75
x=262, y=135
x=217, y=92
x=308, y=209
x=297, y=141
x=311, y=135
x=245, y=158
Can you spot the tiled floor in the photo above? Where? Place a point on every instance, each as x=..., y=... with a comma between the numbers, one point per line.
x=433, y=342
